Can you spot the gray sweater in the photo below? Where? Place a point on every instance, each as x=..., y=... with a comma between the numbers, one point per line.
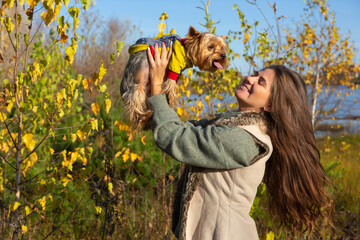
x=217, y=147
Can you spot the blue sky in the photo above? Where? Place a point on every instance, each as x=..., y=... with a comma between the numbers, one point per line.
x=183, y=13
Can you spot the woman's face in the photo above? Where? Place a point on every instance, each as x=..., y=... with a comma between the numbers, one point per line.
x=254, y=92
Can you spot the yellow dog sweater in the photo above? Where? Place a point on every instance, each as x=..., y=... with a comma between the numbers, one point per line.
x=178, y=63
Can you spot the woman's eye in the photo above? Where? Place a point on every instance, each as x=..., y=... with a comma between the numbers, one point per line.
x=261, y=82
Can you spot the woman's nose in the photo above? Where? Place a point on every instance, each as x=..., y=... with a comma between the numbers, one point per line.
x=251, y=79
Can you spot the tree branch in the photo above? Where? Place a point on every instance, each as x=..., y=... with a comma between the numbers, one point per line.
x=7, y=161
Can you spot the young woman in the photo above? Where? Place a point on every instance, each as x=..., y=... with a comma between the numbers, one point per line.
x=270, y=138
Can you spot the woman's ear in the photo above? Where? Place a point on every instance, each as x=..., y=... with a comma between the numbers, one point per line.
x=267, y=108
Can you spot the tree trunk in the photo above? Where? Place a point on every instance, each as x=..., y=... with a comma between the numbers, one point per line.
x=315, y=95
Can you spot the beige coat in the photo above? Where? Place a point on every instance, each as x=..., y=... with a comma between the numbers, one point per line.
x=220, y=205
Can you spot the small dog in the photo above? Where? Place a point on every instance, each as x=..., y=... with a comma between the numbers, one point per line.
x=204, y=50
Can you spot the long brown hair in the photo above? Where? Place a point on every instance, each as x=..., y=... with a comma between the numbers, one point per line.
x=294, y=176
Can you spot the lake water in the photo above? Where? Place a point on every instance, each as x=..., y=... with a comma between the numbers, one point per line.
x=349, y=106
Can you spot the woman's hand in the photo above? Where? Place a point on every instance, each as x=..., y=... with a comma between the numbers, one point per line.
x=158, y=66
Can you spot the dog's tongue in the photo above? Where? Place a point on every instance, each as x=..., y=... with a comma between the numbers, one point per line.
x=218, y=65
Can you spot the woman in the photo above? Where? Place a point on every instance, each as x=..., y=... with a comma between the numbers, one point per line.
x=269, y=138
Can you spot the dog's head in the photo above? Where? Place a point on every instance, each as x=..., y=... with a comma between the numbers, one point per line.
x=206, y=50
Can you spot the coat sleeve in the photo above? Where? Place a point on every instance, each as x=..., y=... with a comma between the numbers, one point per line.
x=220, y=147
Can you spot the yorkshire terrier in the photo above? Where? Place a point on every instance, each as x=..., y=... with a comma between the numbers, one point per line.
x=204, y=50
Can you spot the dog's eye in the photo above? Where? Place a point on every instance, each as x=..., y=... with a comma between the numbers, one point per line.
x=211, y=47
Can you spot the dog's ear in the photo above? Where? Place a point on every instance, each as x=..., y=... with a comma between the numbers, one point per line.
x=193, y=33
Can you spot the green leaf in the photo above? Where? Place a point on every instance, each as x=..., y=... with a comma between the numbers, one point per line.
x=10, y=3
x=26, y=39
x=119, y=46
x=66, y=2
x=74, y=11
x=61, y=21
x=70, y=52
x=76, y=23
x=9, y=25
x=112, y=58
x=102, y=88
x=18, y=17
x=86, y=4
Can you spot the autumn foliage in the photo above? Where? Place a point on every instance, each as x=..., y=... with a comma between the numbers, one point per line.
x=70, y=166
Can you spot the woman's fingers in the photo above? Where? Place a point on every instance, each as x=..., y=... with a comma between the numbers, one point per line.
x=150, y=57
x=170, y=51
x=158, y=58
x=163, y=52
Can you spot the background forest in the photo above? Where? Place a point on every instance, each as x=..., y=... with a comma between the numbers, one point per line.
x=70, y=166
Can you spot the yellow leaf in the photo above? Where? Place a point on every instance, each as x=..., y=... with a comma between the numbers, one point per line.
x=95, y=108
x=29, y=141
x=126, y=156
x=32, y=3
x=246, y=38
x=122, y=126
x=5, y=147
x=270, y=236
x=102, y=71
x=63, y=153
x=118, y=154
x=9, y=106
x=190, y=72
x=94, y=124
x=23, y=229
x=143, y=140
x=42, y=202
x=110, y=188
x=15, y=206
x=207, y=99
x=73, y=137
x=86, y=82
x=84, y=160
x=59, y=97
x=180, y=111
x=27, y=210
x=10, y=3
x=33, y=158
x=48, y=16
x=161, y=27
x=133, y=156
x=107, y=105
x=130, y=137
x=52, y=151
x=74, y=157
x=66, y=180
x=61, y=113
x=98, y=209
x=3, y=117
x=80, y=134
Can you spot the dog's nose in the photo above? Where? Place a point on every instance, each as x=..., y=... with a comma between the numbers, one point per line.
x=223, y=56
